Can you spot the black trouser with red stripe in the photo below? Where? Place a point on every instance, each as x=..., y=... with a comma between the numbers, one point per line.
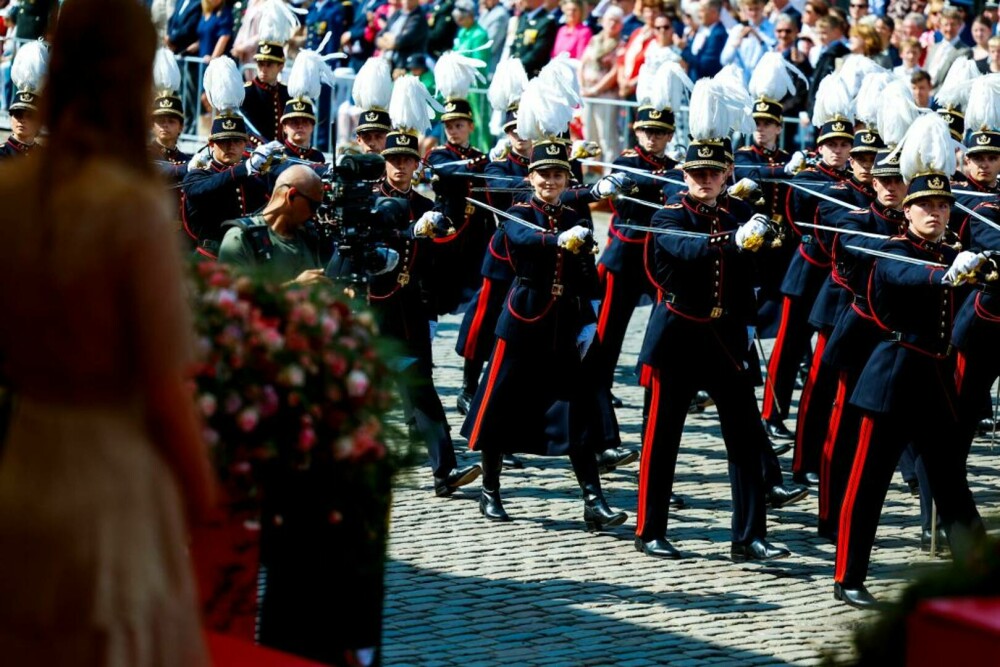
x=621, y=294
x=742, y=432
x=815, y=406
x=790, y=346
x=880, y=444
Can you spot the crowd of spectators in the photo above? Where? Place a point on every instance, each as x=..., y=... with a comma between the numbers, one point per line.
x=611, y=39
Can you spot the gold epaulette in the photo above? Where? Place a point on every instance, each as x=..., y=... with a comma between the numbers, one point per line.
x=629, y=152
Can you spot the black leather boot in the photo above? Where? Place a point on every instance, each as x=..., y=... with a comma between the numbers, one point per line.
x=470, y=383
x=596, y=513
x=490, y=505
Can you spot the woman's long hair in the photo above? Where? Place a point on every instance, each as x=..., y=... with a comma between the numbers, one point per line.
x=96, y=103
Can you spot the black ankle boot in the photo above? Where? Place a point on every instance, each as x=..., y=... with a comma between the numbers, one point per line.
x=491, y=507
x=596, y=513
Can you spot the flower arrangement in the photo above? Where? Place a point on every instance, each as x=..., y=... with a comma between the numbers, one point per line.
x=289, y=373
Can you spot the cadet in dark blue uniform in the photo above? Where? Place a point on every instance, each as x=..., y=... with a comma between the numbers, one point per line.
x=977, y=332
x=399, y=308
x=760, y=161
x=25, y=122
x=621, y=270
x=535, y=382
x=697, y=338
x=854, y=334
x=816, y=401
x=172, y=163
x=297, y=124
x=982, y=165
x=907, y=389
x=265, y=97
x=456, y=273
x=225, y=185
x=806, y=273
x=475, y=336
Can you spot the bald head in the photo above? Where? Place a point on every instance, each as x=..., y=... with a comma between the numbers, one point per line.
x=303, y=179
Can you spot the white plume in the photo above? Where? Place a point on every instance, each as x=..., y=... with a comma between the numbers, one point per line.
x=455, y=74
x=509, y=81
x=277, y=22
x=561, y=74
x=166, y=74
x=718, y=107
x=772, y=77
x=954, y=90
x=412, y=107
x=927, y=147
x=982, y=110
x=223, y=85
x=548, y=100
x=308, y=75
x=735, y=97
x=373, y=84
x=855, y=69
x=833, y=100
x=28, y=69
x=663, y=87
x=897, y=111
x=868, y=100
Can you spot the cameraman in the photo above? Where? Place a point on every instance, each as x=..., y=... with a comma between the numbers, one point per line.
x=276, y=240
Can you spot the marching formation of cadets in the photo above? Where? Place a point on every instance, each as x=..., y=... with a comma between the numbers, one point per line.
x=879, y=244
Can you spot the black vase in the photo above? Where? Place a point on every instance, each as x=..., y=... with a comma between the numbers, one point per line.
x=322, y=560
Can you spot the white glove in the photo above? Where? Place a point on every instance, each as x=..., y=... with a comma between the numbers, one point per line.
x=199, y=160
x=430, y=223
x=586, y=338
x=500, y=150
x=795, y=163
x=742, y=188
x=750, y=235
x=390, y=259
x=610, y=186
x=963, y=267
x=574, y=238
x=260, y=156
x=584, y=149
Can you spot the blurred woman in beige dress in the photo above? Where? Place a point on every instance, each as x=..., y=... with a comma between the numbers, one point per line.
x=103, y=454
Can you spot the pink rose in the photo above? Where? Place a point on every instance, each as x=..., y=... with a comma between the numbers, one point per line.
x=357, y=383
x=207, y=404
x=247, y=420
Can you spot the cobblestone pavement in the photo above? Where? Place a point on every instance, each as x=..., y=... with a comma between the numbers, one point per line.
x=542, y=591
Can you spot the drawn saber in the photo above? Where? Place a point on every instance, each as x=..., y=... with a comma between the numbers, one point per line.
x=664, y=231
x=632, y=170
x=977, y=216
x=788, y=181
x=502, y=190
x=506, y=215
x=826, y=197
x=898, y=258
x=530, y=225
x=490, y=177
x=641, y=202
x=837, y=230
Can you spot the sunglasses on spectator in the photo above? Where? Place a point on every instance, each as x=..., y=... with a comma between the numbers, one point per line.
x=662, y=27
x=863, y=6
x=778, y=31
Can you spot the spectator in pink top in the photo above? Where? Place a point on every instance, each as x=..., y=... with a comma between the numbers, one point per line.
x=573, y=35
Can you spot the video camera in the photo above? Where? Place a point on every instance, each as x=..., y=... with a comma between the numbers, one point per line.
x=354, y=223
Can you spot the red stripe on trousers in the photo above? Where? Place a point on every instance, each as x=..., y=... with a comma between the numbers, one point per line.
x=805, y=400
x=850, y=496
x=775, y=361
x=647, y=450
x=495, y=362
x=830, y=444
x=960, y=362
x=477, y=320
x=602, y=321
